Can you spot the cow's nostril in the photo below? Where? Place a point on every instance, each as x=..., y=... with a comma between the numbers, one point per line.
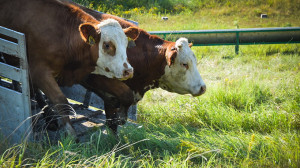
x=125, y=73
x=128, y=73
x=202, y=89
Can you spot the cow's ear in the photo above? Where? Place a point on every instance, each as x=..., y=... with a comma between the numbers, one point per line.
x=132, y=32
x=131, y=43
x=190, y=45
x=89, y=33
x=171, y=55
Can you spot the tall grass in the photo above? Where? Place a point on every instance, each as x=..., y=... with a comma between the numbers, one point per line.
x=250, y=113
x=249, y=117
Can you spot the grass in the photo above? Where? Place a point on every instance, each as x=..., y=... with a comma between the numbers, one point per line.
x=133, y=7
x=207, y=14
x=214, y=19
x=249, y=116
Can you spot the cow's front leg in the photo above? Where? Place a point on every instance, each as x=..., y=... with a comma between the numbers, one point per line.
x=117, y=96
x=111, y=117
x=115, y=114
x=47, y=84
x=48, y=112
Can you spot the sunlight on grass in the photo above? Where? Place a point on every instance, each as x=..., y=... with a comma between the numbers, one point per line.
x=248, y=93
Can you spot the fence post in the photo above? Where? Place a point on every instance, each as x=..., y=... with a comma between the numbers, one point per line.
x=237, y=43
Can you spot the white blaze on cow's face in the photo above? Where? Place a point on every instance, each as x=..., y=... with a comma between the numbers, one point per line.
x=112, y=61
x=181, y=73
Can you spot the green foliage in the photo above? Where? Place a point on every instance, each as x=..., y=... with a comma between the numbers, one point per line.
x=131, y=7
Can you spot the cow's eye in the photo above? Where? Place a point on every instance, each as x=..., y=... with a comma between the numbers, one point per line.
x=185, y=65
x=106, y=45
x=109, y=48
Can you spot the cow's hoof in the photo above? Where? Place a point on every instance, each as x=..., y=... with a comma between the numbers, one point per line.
x=51, y=122
x=122, y=121
x=113, y=126
x=52, y=126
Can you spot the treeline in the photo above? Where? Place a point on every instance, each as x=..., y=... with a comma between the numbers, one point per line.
x=123, y=7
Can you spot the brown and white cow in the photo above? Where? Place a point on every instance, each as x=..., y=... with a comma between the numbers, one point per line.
x=157, y=63
x=65, y=44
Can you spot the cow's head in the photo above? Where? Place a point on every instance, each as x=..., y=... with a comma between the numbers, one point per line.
x=181, y=73
x=109, y=42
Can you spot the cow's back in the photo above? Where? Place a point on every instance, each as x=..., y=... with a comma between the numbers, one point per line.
x=146, y=59
x=47, y=24
x=33, y=17
x=51, y=29
x=102, y=16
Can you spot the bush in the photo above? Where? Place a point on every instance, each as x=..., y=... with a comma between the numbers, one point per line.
x=120, y=7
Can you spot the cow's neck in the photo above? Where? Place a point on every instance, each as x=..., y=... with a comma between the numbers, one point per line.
x=148, y=72
x=79, y=61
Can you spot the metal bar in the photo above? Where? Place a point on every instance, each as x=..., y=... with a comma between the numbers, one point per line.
x=276, y=29
x=237, y=43
x=235, y=37
x=11, y=33
x=27, y=126
x=10, y=72
x=230, y=38
x=8, y=47
x=258, y=43
x=8, y=93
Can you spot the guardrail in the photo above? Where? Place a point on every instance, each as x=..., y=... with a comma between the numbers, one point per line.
x=251, y=36
x=15, y=106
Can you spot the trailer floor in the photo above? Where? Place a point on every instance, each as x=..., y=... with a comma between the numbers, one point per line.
x=85, y=122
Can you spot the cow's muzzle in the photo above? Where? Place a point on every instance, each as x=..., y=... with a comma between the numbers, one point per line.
x=201, y=91
x=127, y=74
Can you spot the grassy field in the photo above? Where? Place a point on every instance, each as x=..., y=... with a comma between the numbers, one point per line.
x=249, y=116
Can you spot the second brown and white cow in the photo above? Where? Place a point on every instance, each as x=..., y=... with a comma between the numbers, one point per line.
x=157, y=63
x=65, y=44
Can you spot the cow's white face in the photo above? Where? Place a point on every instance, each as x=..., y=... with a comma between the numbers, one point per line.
x=112, y=61
x=181, y=73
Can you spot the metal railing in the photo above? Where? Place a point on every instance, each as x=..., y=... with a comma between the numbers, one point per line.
x=251, y=36
x=15, y=106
